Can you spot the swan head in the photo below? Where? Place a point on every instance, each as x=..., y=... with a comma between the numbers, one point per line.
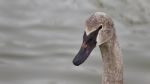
x=102, y=23
x=99, y=29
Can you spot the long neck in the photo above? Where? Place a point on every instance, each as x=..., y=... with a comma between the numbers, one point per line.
x=112, y=62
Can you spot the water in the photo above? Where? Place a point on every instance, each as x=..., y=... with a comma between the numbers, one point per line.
x=39, y=39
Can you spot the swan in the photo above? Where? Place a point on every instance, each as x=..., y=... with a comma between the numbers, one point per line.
x=100, y=31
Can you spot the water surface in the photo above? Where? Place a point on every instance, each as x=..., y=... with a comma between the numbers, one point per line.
x=39, y=39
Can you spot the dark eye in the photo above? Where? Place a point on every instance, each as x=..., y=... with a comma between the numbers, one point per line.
x=100, y=27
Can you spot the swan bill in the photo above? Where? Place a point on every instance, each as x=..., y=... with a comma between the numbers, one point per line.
x=89, y=43
x=83, y=53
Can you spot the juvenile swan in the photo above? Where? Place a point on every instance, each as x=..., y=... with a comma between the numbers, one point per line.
x=100, y=30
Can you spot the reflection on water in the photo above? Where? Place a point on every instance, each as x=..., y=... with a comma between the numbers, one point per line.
x=39, y=39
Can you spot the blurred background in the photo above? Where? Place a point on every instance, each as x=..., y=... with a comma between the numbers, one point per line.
x=39, y=39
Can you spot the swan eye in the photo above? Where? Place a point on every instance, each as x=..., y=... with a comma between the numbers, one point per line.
x=100, y=27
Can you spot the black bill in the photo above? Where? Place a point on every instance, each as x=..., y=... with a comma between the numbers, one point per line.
x=89, y=43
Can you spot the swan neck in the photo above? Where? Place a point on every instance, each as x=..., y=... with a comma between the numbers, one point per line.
x=112, y=62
